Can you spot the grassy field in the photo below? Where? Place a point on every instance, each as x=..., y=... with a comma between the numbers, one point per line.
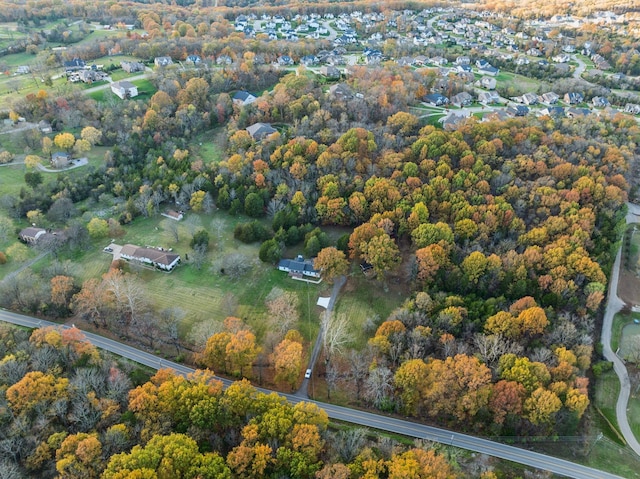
x=507, y=79
x=619, y=322
x=359, y=304
x=205, y=294
x=145, y=89
x=607, y=390
x=207, y=145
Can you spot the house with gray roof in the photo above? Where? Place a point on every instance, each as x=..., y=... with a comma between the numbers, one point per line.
x=258, y=131
x=298, y=267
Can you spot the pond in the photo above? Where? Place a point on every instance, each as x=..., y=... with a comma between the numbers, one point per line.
x=628, y=332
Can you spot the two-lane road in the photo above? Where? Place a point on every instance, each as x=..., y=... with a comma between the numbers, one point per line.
x=354, y=416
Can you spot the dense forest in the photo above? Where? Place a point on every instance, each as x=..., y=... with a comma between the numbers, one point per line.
x=502, y=232
x=68, y=411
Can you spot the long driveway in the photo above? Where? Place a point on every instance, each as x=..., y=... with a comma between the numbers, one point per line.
x=304, y=387
x=614, y=305
x=354, y=416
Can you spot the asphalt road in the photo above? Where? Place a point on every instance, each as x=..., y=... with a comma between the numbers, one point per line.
x=354, y=416
x=615, y=304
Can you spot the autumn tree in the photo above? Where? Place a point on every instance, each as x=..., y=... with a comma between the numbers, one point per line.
x=241, y=351
x=91, y=134
x=61, y=288
x=64, y=141
x=98, y=228
x=287, y=360
x=331, y=262
x=175, y=455
x=79, y=456
x=382, y=253
x=419, y=464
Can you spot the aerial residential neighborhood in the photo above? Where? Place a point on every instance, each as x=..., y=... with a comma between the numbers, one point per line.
x=319, y=240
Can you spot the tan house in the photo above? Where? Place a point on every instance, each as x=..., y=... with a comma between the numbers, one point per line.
x=157, y=257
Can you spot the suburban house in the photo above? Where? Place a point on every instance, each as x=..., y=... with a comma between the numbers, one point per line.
x=436, y=99
x=23, y=70
x=561, y=58
x=298, y=267
x=549, y=97
x=573, y=98
x=517, y=110
x=124, y=89
x=553, y=112
x=574, y=112
x=529, y=98
x=73, y=65
x=60, y=159
x=462, y=99
x=258, y=131
x=31, y=234
x=341, y=90
x=195, y=59
x=132, y=67
x=156, y=257
x=285, y=60
x=243, y=98
x=488, y=97
x=329, y=71
x=309, y=60
x=162, y=61
x=632, y=108
x=488, y=70
x=488, y=82
x=452, y=120
x=600, y=102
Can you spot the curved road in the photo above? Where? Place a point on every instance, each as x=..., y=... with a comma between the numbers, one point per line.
x=354, y=416
x=580, y=69
x=614, y=305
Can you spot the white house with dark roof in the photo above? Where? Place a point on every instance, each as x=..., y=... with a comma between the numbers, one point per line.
x=298, y=267
x=157, y=257
x=124, y=89
x=243, y=98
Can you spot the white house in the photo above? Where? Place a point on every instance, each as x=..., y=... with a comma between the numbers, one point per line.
x=298, y=267
x=124, y=89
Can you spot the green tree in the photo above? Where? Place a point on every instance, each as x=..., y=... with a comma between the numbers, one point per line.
x=254, y=205
x=98, y=228
x=200, y=239
x=270, y=251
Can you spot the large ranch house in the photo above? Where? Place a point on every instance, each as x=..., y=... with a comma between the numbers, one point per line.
x=158, y=258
